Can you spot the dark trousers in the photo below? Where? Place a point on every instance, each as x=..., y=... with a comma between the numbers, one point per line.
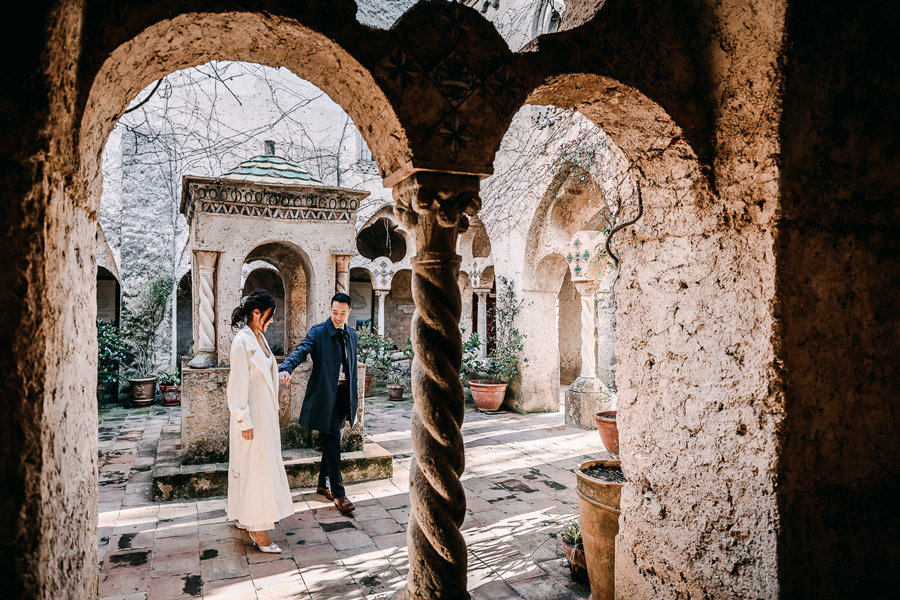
x=331, y=445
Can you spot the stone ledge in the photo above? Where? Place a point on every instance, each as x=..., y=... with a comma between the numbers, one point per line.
x=302, y=466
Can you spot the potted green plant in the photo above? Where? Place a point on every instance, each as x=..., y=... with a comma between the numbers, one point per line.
x=395, y=377
x=382, y=358
x=142, y=320
x=369, y=350
x=111, y=351
x=573, y=548
x=170, y=387
x=502, y=364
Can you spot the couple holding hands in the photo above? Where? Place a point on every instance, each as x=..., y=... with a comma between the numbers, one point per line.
x=258, y=491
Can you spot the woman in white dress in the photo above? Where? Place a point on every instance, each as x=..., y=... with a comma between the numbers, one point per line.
x=258, y=491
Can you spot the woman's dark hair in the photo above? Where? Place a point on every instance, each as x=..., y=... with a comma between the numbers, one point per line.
x=258, y=299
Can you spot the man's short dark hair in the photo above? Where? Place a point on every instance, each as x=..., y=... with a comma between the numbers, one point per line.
x=341, y=297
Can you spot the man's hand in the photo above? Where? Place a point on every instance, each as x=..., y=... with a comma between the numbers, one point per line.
x=247, y=434
x=283, y=377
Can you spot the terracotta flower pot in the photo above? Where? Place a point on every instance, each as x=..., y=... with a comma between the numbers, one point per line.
x=395, y=391
x=171, y=394
x=598, y=511
x=577, y=564
x=142, y=391
x=609, y=432
x=368, y=390
x=488, y=395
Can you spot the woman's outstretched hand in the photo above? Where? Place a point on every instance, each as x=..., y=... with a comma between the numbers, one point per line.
x=247, y=434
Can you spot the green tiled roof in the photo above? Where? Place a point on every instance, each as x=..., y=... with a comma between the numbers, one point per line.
x=271, y=169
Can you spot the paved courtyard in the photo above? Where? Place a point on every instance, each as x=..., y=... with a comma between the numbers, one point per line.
x=518, y=480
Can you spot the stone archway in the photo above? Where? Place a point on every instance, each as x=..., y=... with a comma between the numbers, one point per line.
x=699, y=273
x=184, y=319
x=292, y=270
x=362, y=297
x=680, y=233
x=267, y=277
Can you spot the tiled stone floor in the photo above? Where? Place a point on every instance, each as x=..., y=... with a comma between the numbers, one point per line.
x=518, y=480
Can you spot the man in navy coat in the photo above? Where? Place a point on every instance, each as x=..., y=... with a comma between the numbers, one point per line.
x=331, y=394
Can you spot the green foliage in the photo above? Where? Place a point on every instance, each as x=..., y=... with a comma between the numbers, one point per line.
x=111, y=350
x=366, y=344
x=471, y=363
x=503, y=362
x=571, y=533
x=142, y=321
x=396, y=373
x=409, y=352
x=375, y=351
x=168, y=378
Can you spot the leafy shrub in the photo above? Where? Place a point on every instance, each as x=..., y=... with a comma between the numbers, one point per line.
x=111, y=350
x=503, y=362
x=142, y=320
x=168, y=378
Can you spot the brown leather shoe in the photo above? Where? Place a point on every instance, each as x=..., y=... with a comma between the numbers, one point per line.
x=344, y=505
x=325, y=492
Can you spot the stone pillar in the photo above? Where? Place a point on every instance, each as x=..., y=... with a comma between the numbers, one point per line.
x=538, y=387
x=588, y=329
x=342, y=273
x=380, y=296
x=482, y=320
x=205, y=301
x=435, y=207
x=587, y=395
x=606, y=331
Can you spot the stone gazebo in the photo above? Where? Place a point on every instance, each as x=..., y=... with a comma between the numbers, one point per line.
x=266, y=209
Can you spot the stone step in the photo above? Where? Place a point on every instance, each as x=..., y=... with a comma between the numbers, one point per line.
x=172, y=482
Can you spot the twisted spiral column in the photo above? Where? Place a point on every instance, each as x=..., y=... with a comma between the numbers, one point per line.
x=206, y=269
x=434, y=206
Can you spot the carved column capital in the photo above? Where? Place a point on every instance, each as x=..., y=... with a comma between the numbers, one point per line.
x=437, y=206
x=586, y=287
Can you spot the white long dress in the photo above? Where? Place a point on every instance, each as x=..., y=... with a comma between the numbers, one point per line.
x=258, y=491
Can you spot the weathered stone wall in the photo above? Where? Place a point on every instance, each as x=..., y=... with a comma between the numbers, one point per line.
x=150, y=236
x=398, y=308
x=569, y=320
x=698, y=402
x=837, y=297
x=48, y=353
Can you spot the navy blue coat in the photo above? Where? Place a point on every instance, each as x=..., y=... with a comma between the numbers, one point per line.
x=322, y=344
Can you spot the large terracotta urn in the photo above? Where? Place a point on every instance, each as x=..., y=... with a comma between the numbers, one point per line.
x=598, y=509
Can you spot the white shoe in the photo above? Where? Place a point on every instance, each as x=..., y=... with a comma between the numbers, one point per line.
x=271, y=548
